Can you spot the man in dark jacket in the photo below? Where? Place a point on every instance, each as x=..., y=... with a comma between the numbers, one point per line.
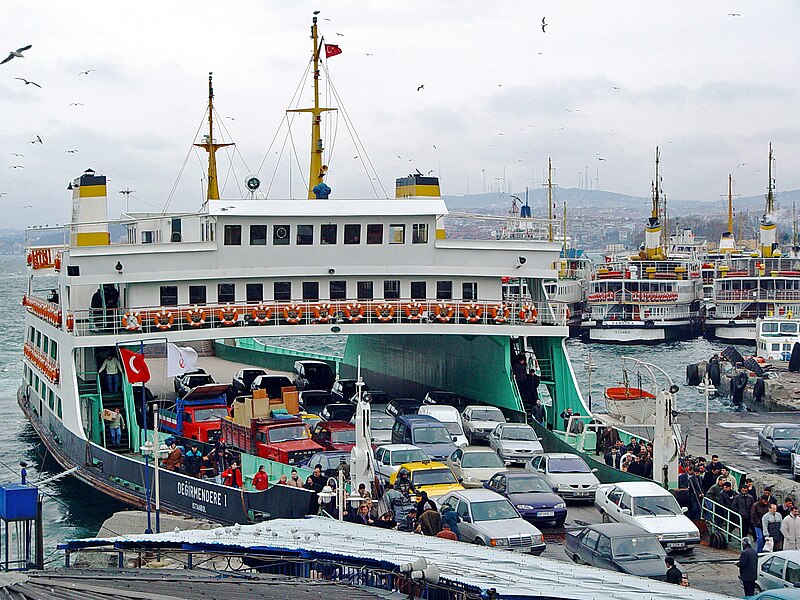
x=742, y=504
x=674, y=574
x=748, y=566
x=757, y=512
x=613, y=456
x=727, y=495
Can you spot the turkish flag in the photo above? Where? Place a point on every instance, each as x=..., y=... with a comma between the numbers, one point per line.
x=332, y=50
x=135, y=367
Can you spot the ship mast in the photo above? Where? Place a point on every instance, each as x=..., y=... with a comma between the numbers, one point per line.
x=317, y=171
x=771, y=186
x=730, y=205
x=550, y=199
x=768, y=227
x=213, y=187
x=564, y=229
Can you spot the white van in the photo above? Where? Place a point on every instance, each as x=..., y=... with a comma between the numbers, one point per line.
x=451, y=418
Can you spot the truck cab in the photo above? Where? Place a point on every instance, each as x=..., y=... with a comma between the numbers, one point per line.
x=283, y=440
x=198, y=414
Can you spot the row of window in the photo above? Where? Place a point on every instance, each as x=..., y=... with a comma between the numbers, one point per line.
x=43, y=343
x=40, y=387
x=310, y=291
x=328, y=234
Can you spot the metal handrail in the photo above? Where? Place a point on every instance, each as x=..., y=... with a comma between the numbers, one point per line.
x=722, y=519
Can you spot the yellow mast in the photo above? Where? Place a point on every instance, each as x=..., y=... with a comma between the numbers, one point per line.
x=564, y=229
x=210, y=147
x=730, y=205
x=317, y=170
x=550, y=198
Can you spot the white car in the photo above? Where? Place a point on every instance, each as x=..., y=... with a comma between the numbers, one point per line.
x=451, y=418
x=388, y=458
x=474, y=465
x=568, y=475
x=651, y=507
x=515, y=442
x=777, y=570
x=479, y=421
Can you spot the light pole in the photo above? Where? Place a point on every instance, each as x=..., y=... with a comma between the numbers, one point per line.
x=162, y=448
x=707, y=388
x=147, y=451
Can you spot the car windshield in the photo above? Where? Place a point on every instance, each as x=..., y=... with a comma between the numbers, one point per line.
x=378, y=397
x=380, y=422
x=494, y=510
x=453, y=428
x=786, y=433
x=318, y=371
x=405, y=456
x=488, y=414
x=345, y=436
x=656, y=506
x=571, y=464
x=329, y=461
x=249, y=376
x=526, y=485
x=431, y=435
x=210, y=414
x=481, y=460
x=633, y=548
x=287, y=434
x=195, y=380
x=433, y=477
x=518, y=434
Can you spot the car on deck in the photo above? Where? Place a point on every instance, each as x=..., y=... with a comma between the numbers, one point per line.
x=479, y=421
x=568, y=475
x=190, y=381
x=312, y=375
x=242, y=382
x=515, y=442
x=272, y=384
x=390, y=457
x=335, y=435
x=530, y=495
x=474, y=465
x=434, y=478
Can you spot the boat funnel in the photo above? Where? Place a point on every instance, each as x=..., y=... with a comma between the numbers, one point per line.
x=652, y=239
x=89, y=211
x=417, y=185
x=727, y=243
x=767, y=235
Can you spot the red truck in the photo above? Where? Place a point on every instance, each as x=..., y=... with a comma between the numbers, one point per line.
x=281, y=440
x=198, y=415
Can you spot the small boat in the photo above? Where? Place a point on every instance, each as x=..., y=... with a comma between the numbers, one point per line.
x=630, y=404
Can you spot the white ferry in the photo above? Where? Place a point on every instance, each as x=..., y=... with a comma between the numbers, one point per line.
x=776, y=336
x=422, y=310
x=646, y=298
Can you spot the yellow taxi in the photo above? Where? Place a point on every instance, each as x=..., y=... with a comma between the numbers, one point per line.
x=433, y=477
x=310, y=420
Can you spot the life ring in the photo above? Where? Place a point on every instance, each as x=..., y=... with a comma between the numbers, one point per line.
x=196, y=316
x=499, y=313
x=384, y=312
x=472, y=312
x=228, y=315
x=261, y=314
x=292, y=313
x=70, y=322
x=354, y=312
x=322, y=313
x=443, y=312
x=132, y=321
x=163, y=319
x=528, y=314
x=413, y=311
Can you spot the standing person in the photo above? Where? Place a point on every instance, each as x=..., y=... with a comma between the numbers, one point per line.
x=261, y=479
x=786, y=507
x=430, y=522
x=768, y=492
x=790, y=528
x=174, y=460
x=757, y=512
x=283, y=480
x=424, y=503
x=193, y=461
x=710, y=475
x=674, y=574
x=451, y=519
x=771, y=526
x=232, y=476
x=742, y=504
x=115, y=427
x=521, y=376
x=537, y=411
x=113, y=373
x=748, y=567
x=566, y=415
x=446, y=533
x=613, y=457
x=319, y=480
x=294, y=480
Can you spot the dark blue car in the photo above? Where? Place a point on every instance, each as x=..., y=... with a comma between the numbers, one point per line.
x=530, y=494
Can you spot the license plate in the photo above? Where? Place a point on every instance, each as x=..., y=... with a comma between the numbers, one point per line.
x=546, y=513
x=581, y=493
x=676, y=545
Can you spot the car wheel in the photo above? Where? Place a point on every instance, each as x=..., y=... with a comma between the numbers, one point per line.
x=757, y=589
x=479, y=542
x=606, y=518
x=469, y=437
x=774, y=457
x=577, y=559
x=760, y=449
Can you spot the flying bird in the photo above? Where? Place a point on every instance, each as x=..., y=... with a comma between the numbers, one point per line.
x=28, y=82
x=422, y=87
x=734, y=14
x=599, y=158
x=434, y=146
x=340, y=34
x=16, y=167
x=86, y=72
x=70, y=151
x=15, y=54
x=615, y=87
x=367, y=54
x=355, y=157
x=3, y=194
x=316, y=12
x=27, y=206
x=544, y=24
x=17, y=154
x=76, y=104
x=38, y=140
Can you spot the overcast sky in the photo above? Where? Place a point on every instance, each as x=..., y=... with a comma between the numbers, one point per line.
x=606, y=80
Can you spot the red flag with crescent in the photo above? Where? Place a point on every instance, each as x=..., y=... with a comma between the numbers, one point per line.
x=332, y=50
x=135, y=367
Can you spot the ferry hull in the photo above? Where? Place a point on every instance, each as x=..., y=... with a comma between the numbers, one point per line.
x=637, y=334
x=744, y=333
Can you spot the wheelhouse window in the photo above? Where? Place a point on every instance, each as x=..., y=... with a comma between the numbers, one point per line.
x=419, y=233
x=338, y=290
x=197, y=294
x=469, y=290
x=169, y=295
x=375, y=233
x=397, y=234
x=444, y=290
x=305, y=235
x=282, y=291
x=418, y=290
x=364, y=289
x=327, y=235
x=280, y=235
x=258, y=235
x=226, y=292
x=233, y=235
x=391, y=289
x=255, y=292
x=352, y=233
x=311, y=290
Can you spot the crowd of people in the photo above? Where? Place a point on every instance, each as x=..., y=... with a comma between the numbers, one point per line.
x=636, y=457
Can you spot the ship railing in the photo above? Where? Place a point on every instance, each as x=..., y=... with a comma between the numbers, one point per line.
x=228, y=315
x=44, y=309
x=46, y=364
x=751, y=295
x=44, y=257
x=721, y=519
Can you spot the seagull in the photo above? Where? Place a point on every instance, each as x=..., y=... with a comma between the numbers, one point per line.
x=544, y=24
x=17, y=154
x=76, y=104
x=400, y=157
x=434, y=147
x=615, y=87
x=368, y=54
x=355, y=157
x=340, y=34
x=15, y=54
x=316, y=12
x=28, y=82
x=421, y=87
x=3, y=194
x=734, y=14
x=16, y=167
x=70, y=151
x=599, y=158
x=430, y=172
x=38, y=140
x=86, y=72
x=231, y=118
x=27, y=206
